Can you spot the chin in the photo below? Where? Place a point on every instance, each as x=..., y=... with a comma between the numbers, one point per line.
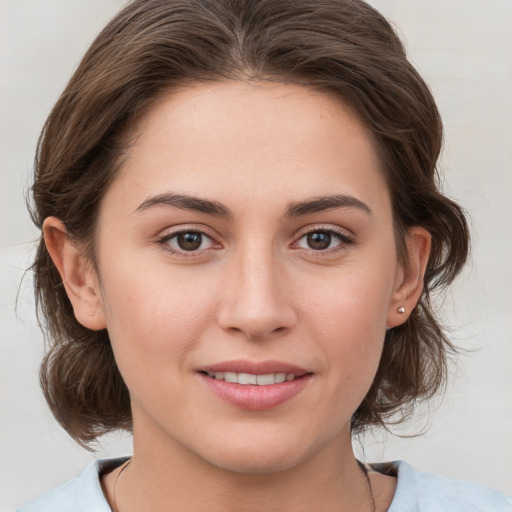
x=254, y=463
x=256, y=455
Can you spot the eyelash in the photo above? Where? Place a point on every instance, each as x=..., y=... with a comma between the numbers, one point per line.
x=164, y=241
x=341, y=235
x=343, y=238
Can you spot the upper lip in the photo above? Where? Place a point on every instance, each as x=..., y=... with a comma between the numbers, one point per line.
x=255, y=368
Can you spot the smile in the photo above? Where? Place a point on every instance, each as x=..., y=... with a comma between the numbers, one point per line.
x=252, y=379
x=255, y=386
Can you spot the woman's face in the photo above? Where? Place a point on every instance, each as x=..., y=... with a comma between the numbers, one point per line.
x=248, y=237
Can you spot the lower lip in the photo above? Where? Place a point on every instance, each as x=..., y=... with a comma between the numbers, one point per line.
x=253, y=397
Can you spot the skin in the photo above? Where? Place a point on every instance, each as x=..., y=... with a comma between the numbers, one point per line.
x=255, y=289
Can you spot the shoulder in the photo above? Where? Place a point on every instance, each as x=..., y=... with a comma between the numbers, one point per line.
x=426, y=492
x=81, y=494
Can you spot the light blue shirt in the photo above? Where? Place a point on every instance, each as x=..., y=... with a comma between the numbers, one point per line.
x=415, y=492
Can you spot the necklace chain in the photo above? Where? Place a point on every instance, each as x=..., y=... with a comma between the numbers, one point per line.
x=361, y=465
x=127, y=463
x=369, y=484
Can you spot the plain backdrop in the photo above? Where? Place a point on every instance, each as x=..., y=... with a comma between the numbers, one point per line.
x=464, y=50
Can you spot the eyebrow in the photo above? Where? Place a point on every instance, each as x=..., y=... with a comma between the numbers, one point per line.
x=294, y=209
x=186, y=202
x=323, y=203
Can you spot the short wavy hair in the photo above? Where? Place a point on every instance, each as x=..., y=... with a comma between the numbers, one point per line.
x=343, y=47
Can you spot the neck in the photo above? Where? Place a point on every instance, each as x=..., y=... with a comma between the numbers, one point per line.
x=173, y=478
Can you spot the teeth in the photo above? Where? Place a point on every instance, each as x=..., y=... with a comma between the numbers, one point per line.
x=249, y=378
x=281, y=377
x=231, y=377
x=265, y=380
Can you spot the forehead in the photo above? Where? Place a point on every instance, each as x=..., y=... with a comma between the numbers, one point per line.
x=257, y=139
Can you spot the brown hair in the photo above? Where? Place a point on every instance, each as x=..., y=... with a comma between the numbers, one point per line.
x=343, y=47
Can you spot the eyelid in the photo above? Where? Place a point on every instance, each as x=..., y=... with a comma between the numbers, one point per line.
x=170, y=233
x=344, y=235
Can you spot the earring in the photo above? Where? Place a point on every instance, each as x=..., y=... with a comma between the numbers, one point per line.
x=401, y=310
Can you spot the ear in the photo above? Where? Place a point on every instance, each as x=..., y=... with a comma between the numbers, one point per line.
x=409, y=281
x=77, y=273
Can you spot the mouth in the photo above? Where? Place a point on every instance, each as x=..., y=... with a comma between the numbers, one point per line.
x=255, y=386
x=252, y=379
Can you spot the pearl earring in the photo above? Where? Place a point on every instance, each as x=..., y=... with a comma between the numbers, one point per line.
x=401, y=310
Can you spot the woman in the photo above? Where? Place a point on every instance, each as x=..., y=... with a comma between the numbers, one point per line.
x=239, y=200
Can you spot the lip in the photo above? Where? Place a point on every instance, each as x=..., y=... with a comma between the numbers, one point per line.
x=254, y=397
x=256, y=368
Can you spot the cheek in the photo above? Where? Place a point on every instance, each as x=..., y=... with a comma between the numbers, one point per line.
x=154, y=325
x=347, y=318
x=153, y=315
x=351, y=302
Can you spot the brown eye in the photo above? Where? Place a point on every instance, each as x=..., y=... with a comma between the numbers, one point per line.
x=323, y=240
x=319, y=240
x=189, y=241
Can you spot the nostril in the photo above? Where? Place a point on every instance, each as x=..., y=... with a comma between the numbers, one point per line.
x=257, y=320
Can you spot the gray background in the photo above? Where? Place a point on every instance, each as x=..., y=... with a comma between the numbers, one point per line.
x=464, y=49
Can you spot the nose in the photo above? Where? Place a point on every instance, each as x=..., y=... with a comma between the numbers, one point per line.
x=256, y=300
